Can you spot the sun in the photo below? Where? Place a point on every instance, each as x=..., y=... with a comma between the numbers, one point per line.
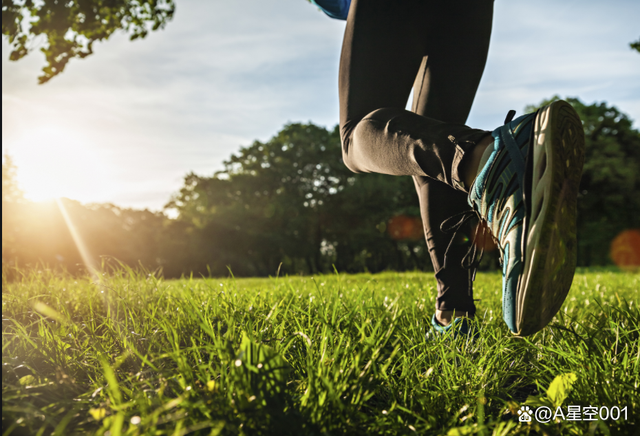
x=53, y=163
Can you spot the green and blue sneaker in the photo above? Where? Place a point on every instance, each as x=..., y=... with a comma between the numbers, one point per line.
x=526, y=193
x=458, y=327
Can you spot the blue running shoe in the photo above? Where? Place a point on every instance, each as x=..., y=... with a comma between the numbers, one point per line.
x=458, y=327
x=526, y=194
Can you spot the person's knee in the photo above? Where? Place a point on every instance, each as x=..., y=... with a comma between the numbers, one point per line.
x=348, y=162
x=359, y=137
x=346, y=137
x=383, y=114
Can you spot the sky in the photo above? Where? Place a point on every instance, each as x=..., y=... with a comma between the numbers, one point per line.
x=126, y=124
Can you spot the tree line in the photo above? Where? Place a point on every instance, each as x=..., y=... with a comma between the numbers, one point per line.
x=289, y=205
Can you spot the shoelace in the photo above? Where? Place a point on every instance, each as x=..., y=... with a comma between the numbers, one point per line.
x=474, y=255
x=454, y=224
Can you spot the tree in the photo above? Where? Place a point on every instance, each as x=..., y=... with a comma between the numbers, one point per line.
x=267, y=205
x=635, y=45
x=71, y=27
x=291, y=200
x=290, y=204
x=608, y=202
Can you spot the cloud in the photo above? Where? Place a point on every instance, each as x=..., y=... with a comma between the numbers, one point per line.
x=578, y=49
x=224, y=74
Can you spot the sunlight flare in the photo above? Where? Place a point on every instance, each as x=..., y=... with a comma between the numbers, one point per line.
x=87, y=259
x=54, y=162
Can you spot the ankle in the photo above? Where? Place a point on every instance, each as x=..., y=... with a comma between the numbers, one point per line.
x=444, y=317
x=471, y=162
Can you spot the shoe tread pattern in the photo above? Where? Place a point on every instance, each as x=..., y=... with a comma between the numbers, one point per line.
x=551, y=245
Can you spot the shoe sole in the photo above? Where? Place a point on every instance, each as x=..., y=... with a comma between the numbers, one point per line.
x=557, y=157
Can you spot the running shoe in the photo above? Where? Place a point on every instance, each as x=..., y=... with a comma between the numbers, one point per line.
x=458, y=327
x=526, y=193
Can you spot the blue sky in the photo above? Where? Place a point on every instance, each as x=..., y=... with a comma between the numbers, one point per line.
x=127, y=123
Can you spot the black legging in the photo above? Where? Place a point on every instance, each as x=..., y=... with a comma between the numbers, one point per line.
x=438, y=47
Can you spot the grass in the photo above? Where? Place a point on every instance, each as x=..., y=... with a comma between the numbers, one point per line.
x=329, y=355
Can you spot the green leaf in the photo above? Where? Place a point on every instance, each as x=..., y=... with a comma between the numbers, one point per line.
x=49, y=312
x=259, y=356
x=461, y=431
x=538, y=402
x=27, y=380
x=560, y=388
x=112, y=381
x=98, y=413
x=80, y=22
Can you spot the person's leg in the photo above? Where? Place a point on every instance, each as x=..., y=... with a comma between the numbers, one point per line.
x=383, y=48
x=523, y=182
x=385, y=44
x=455, y=287
x=444, y=89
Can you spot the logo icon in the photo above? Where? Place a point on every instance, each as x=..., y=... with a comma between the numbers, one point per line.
x=524, y=414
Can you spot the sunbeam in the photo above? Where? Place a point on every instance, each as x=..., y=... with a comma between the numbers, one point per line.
x=87, y=259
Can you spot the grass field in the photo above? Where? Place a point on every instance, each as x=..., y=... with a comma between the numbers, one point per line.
x=327, y=355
